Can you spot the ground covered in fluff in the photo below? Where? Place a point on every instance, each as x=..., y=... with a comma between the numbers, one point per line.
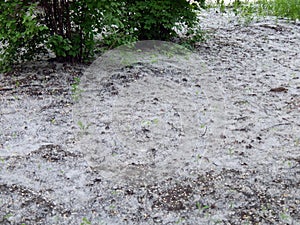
x=212, y=138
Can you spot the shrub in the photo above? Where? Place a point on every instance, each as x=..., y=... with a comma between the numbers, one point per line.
x=21, y=34
x=73, y=25
x=68, y=28
x=156, y=20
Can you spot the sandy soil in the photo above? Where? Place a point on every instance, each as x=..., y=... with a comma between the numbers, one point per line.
x=209, y=137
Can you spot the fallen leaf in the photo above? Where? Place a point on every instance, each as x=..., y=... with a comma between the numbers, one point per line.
x=279, y=89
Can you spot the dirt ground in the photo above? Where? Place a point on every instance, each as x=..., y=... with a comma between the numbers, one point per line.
x=208, y=137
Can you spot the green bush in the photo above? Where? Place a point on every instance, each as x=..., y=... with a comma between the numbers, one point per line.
x=156, y=20
x=68, y=28
x=74, y=24
x=21, y=34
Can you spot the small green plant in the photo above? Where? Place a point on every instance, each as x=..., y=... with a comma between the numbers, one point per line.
x=221, y=5
x=76, y=91
x=283, y=216
x=202, y=207
x=202, y=126
x=205, y=207
x=297, y=141
x=112, y=207
x=8, y=215
x=14, y=135
x=180, y=220
x=85, y=221
x=53, y=121
x=146, y=123
x=155, y=121
x=154, y=58
x=264, y=209
x=231, y=205
x=17, y=84
x=230, y=151
x=289, y=163
x=199, y=157
x=76, y=83
x=82, y=126
x=217, y=221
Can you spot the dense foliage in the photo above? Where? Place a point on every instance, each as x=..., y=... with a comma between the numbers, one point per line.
x=287, y=9
x=281, y=8
x=154, y=19
x=21, y=34
x=68, y=28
